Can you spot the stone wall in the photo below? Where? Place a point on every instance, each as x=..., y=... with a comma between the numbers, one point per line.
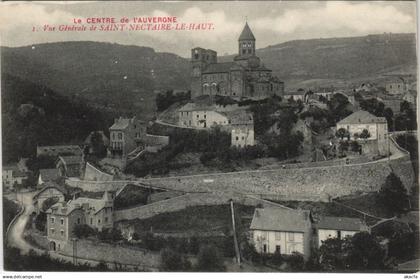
x=92, y=173
x=185, y=201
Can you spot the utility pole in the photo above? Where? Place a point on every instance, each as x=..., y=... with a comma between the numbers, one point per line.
x=235, y=240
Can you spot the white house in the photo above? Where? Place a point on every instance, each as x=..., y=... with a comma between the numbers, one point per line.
x=361, y=120
x=337, y=227
x=281, y=230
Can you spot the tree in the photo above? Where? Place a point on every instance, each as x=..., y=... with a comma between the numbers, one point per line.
x=48, y=203
x=393, y=195
x=83, y=230
x=331, y=257
x=174, y=261
x=389, y=115
x=342, y=133
x=41, y=221
x=209, y=259
x=365, y=134
x=363, y=252
x=98, y=145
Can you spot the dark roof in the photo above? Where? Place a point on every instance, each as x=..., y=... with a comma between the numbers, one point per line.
x=281, y=219
x=362, y=117
x=219, y=67
x=58, y=149
x=49, y=174
x=340, y=223
x=238, y=117
x=71, y=160
x=120, y=124
x=50, y=185
x=246, y=33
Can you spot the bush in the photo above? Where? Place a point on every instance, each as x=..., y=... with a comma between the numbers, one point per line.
x=393, y=195
x=174, y=261
x=209, y=259
x=295, y=261
x=82, y=231
x=41, y=221
x=110, y=235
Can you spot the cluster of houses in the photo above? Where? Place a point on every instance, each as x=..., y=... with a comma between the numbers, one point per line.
x=285, y=231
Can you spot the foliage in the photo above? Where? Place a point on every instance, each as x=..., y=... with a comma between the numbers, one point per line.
x=406, y=120
x=48, y=203
x=209, y=259
x=393, y=195
x=262, y=113
x=359, y=252
x=283, y=146
x=98, y=145
x=34, y=115
x=165, y=100
x=10, y=210
x=342, y=133
x=295, y=261
x=339, y=107
x=174, y=261
x=373, y=106
x=41, y=221
x=14, y=260
x=83, y=230
x=131, y=196
x=365, y=134
x=404, y=245
x=35, y=163
x=110, y=234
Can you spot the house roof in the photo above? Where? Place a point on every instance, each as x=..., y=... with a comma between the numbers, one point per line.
x=246, y=34
x=238, y=117
x=362, y=117
x=280, y=219
x=50, y=185
x=86, y=204
x=299, y=92
x=339, y=223
x=187, y=107
x=120, y=124
x=75, y=149
x=49, y=174
x=71, y=160
x=220, y=67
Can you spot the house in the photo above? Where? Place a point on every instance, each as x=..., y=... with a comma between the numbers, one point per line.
x=396, y=85
x=282, y=230
x=295, y=95
x=50, y=190
x=126, y=135
x=242, y=128
x=69, y=166
x=58, y=150
x=202, y=116
x=244, y=77
x=11, y=176
x=47, y=175
x=337, y=227
x=361, y=120
x=285, y=230
x=63, y=217
x=410, y=96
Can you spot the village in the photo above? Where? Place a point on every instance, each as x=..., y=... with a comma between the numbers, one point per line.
x=237, y=174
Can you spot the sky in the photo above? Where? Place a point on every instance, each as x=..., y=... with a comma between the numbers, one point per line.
x=272, y=22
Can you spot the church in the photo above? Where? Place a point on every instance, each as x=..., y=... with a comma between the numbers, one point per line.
x=243, y=78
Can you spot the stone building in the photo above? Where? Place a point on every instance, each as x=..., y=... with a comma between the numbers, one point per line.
x=50, y=190
x=11, y=176
x=286, y=230
x=337, y=227
x=69, y=166
x=48, y=175
x=282, y=230
x=63, y=217
x=361, y=120
x=396, y=86
x=245, y=77
x=126, y=135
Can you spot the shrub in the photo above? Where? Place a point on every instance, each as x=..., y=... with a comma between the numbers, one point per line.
x=295, y=261
x=209, y=259
x=174, y=261
x=41, y=221
x=393, y=195
x=83, y=230
x=110, y=235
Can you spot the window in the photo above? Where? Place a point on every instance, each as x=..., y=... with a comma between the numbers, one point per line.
x=52, y=220
x=91, y=221
x=237, y=138
x=52, y=231
x=119, y=135
x=106, y=219
x=265, y=248
x=62, y=221
x=78, y=220
x=198, y=116
x=62, y=233
x=205, y=116
x=291, y=236
x=243, y=51
x=243, y=138
x=99, y=221
x=278, y=249
x=277, y=236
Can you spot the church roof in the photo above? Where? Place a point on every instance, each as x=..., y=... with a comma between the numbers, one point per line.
x=219, y=67
x=246, y=34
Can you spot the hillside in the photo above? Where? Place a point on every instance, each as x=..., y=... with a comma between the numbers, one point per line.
x=33, y=114
x=108, y=75
x=337, y=59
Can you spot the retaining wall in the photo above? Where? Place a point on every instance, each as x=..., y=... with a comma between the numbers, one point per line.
x=92, y=173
